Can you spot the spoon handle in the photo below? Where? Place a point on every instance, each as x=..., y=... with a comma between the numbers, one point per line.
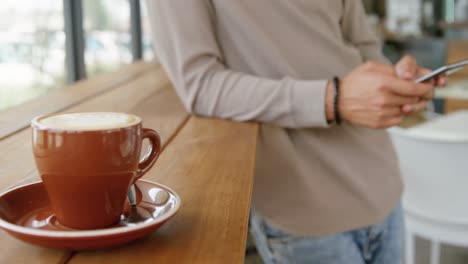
x=132, y=195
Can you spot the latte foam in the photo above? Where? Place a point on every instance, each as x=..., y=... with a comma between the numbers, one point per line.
x=89, y=121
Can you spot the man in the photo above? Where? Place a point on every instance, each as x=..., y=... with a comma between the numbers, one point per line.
x=324, y=192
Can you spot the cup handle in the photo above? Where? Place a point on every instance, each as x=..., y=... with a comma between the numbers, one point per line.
x=152, y=153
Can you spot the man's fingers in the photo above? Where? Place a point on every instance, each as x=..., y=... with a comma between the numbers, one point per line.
x=392, y=99
x=407, y=88
x=442, y=80
x=429, y=95
x=407, y=68
x=394, y=121
x=410, y=108
x=425, y=71
x=392, y=111
x=422, y=71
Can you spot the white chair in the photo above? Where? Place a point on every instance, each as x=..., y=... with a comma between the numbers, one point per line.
x=434, y=164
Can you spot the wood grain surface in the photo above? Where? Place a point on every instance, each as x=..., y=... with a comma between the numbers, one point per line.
x=456, y=51
x=208, y=162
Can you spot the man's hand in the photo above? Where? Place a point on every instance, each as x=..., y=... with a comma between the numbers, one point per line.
x=408, y=69
x=373, y=95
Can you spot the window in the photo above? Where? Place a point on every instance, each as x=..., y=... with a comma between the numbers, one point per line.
x=32, y=54
x=107, y=35
x=33, y=49
x=148, y=52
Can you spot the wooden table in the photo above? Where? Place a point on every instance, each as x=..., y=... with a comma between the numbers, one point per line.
x=208, y=162
x=456, y=51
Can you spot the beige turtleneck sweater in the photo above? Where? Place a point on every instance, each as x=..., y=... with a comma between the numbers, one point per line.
x=269, y=61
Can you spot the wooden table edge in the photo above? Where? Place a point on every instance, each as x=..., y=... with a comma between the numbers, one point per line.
x=250, y=193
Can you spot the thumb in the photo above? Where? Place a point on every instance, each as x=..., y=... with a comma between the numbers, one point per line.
x=407, y=68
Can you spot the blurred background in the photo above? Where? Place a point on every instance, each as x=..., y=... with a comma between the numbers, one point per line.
x=33, y=38
x=34, y=56
x=421, y=27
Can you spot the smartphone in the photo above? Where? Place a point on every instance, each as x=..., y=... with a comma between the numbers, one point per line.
x=447, y=69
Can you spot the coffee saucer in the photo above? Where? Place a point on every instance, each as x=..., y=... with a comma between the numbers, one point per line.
x=26, y=214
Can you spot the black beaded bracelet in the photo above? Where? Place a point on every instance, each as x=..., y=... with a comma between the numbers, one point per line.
x=336, y=97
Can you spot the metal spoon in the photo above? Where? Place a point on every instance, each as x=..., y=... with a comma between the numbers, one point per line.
x=138, y=215
x=134, y=217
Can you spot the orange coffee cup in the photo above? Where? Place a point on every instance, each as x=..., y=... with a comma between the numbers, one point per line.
x=88, y=161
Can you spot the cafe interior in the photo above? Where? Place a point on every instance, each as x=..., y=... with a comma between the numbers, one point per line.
x=72, y=56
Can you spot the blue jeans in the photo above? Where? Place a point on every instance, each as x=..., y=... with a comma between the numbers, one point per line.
x=377, y=244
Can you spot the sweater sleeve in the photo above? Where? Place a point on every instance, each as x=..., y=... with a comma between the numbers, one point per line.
x=185, y=41
x=358, y=32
